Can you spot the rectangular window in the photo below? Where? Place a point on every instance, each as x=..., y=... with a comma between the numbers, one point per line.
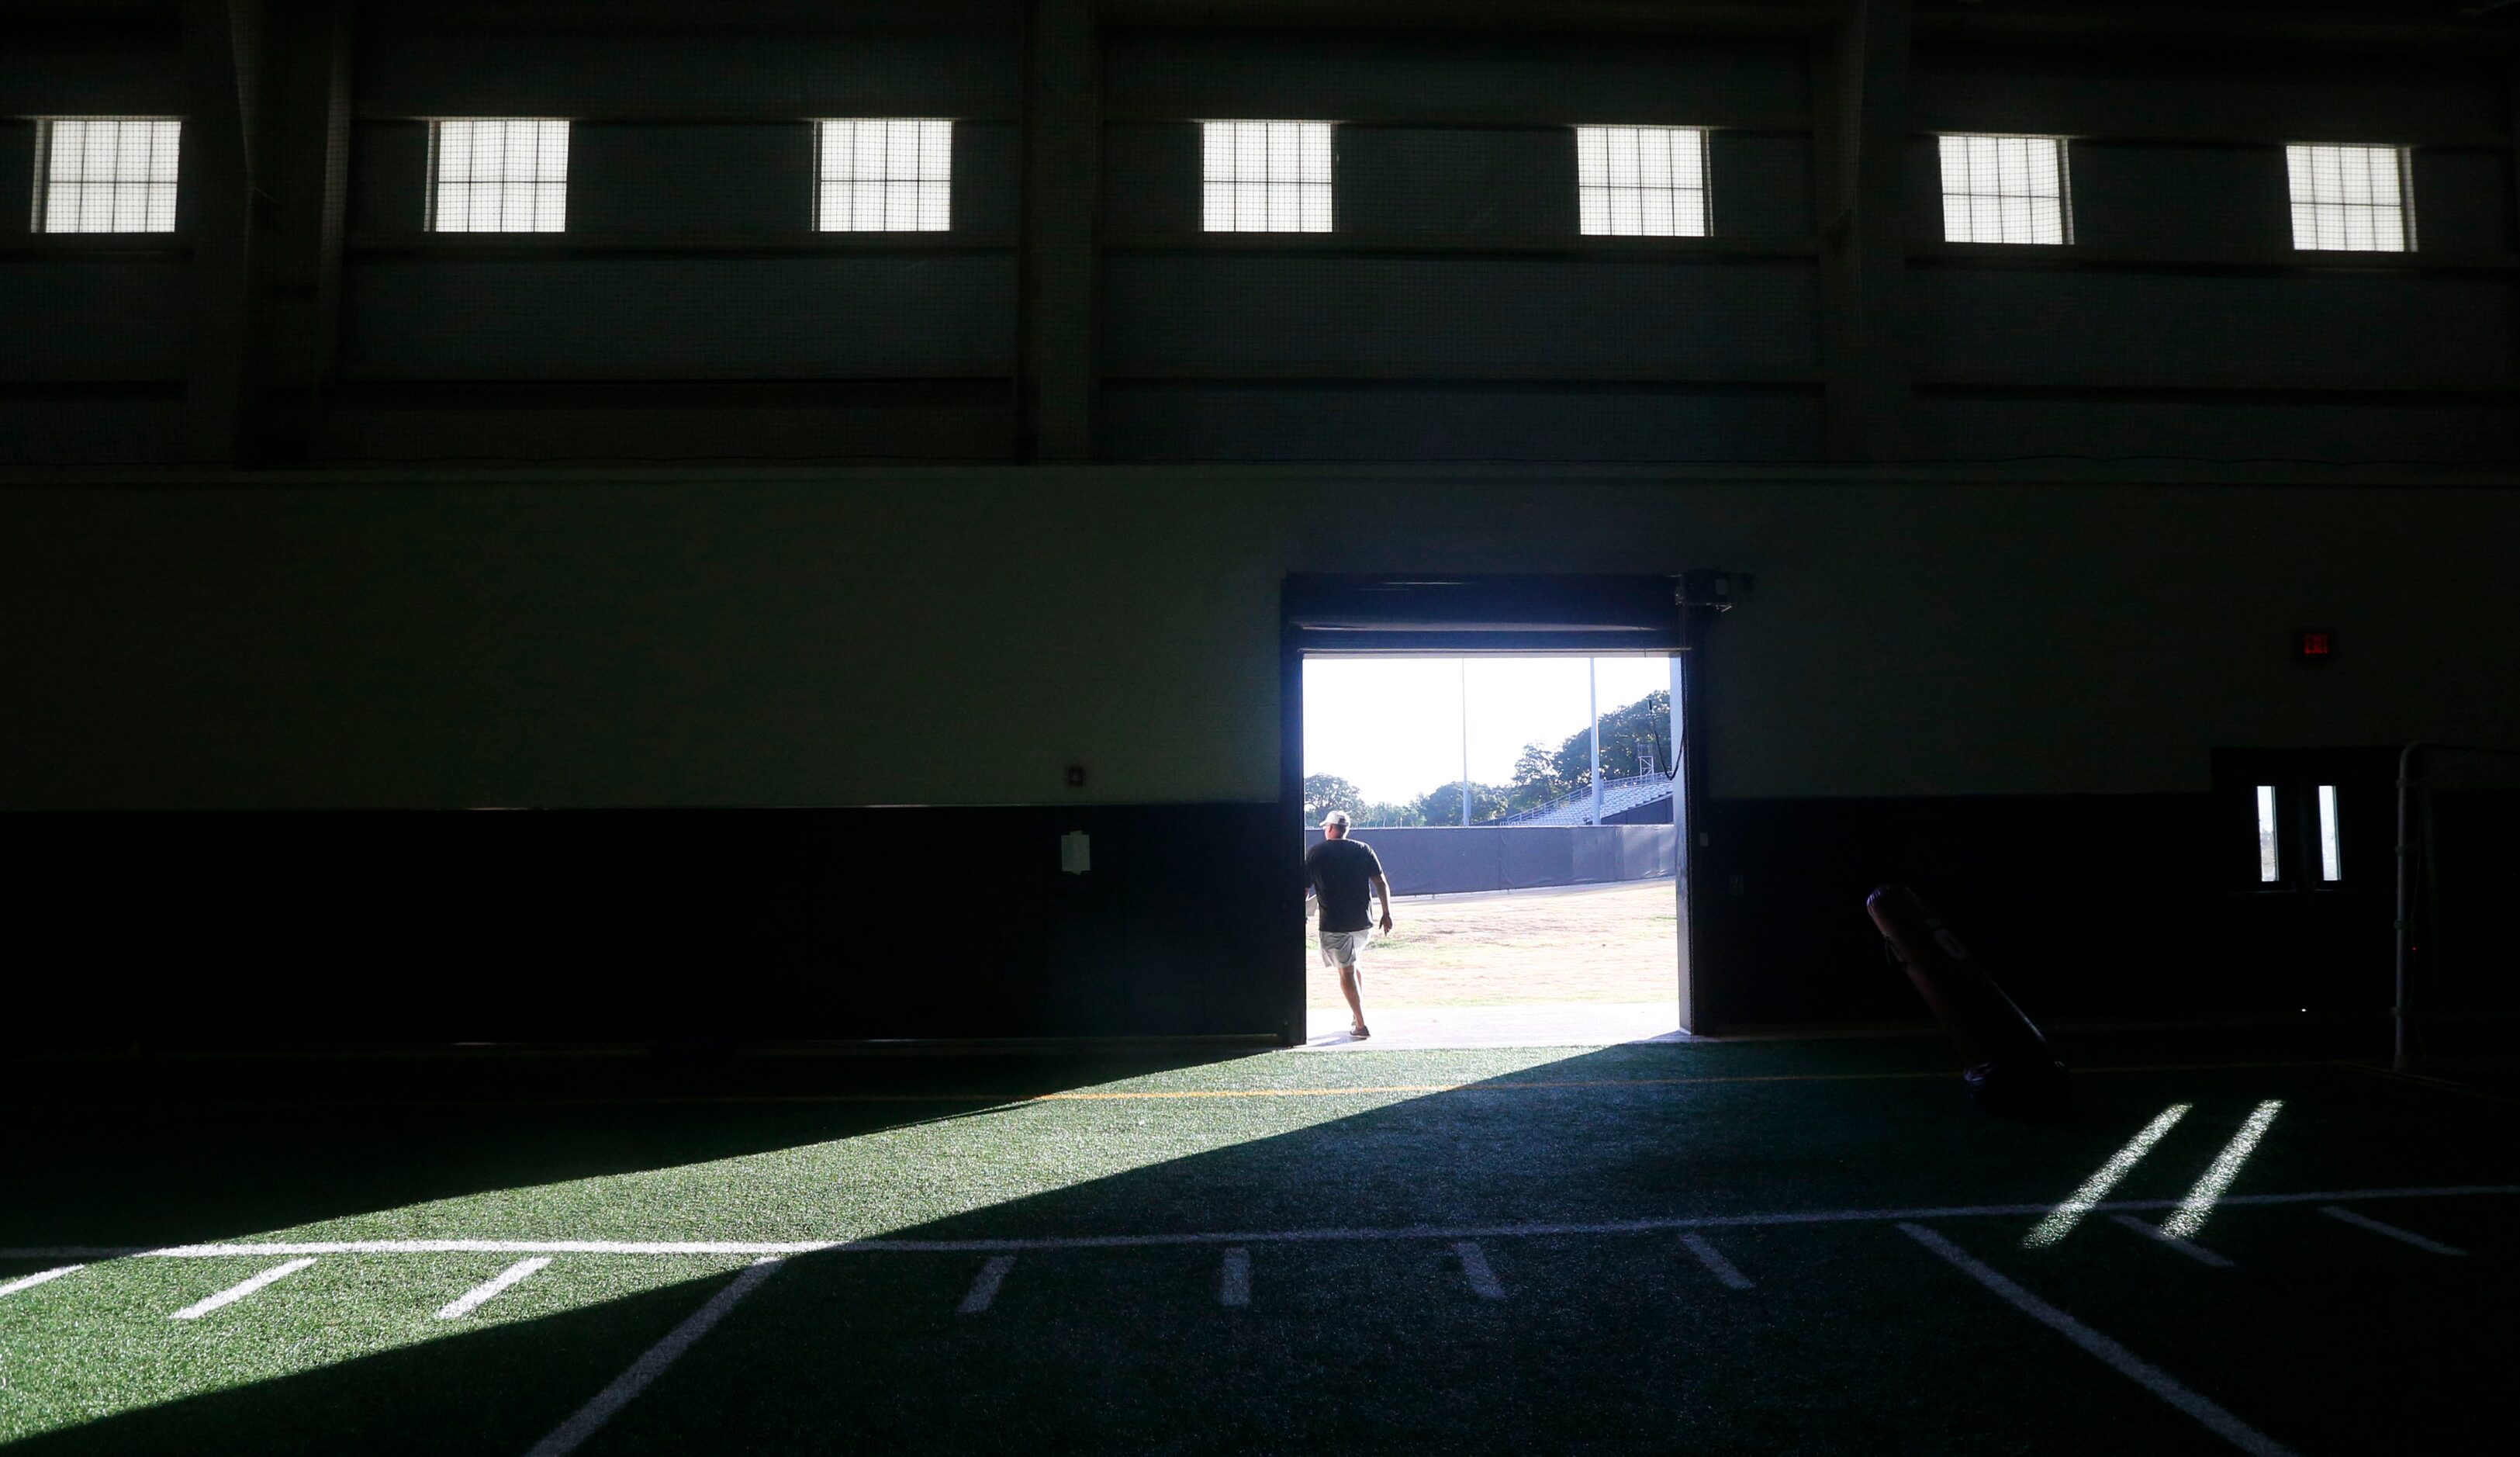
x=1999, y=189
x=499, y=174
x=2331, y=862
x=1641, y=181
x=107, y=174
x=884, y=175
x=2270, y=867
x=2349, y=198
x=1266, y=176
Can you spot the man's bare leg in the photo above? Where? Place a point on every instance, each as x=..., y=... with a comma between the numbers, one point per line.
x=1356, y=1007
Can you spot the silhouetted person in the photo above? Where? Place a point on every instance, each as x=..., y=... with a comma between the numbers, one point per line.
x=1341, y=871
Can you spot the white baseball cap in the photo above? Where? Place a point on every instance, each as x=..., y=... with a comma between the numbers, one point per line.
x=1336, y=817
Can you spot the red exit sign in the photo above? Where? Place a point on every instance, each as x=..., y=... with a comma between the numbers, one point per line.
x=2314, y=645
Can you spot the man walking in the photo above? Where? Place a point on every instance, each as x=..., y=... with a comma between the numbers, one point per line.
x=1341, y=871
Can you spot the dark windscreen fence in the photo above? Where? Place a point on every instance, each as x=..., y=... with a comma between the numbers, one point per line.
x=1449, y=860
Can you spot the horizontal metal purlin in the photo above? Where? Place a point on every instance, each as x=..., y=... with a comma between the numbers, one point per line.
x=1618, y=609
x=689, y=245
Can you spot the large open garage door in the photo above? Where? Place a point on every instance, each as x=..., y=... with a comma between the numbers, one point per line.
x=1468, y=615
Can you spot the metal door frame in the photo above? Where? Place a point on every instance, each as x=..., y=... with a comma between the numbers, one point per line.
x=1471, y=615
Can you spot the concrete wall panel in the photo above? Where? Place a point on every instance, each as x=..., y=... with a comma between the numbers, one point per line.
x=946, y=637
x=1271, y=420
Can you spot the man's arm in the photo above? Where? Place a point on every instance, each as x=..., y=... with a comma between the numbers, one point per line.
x=1383, y=887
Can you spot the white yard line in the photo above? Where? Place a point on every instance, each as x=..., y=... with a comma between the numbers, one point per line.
x=565, y=1437
x=984, y=1285
x=1234, y=1286
x=1716, y=1264
x=2124, y=1362
x=2359, y=1221
x=30, y=1282
x=238, y=1292
x=1474, y=1269
x=470, y=1300
x=2156, y=1233
x=890, y=1246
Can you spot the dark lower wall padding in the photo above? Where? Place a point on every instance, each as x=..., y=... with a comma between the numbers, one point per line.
x=791, y=923
x=766, y=923
x=2089, y=906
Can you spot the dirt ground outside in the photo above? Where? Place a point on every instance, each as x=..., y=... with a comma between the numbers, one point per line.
x=1585, y=943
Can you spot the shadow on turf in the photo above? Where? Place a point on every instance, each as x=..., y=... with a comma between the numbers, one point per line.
x=223, y=1152
x=1498, y=1151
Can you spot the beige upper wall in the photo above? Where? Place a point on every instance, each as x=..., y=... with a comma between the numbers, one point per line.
x=911, y=636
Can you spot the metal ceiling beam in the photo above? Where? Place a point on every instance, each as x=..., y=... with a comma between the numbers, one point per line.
x=2221, y=24
x=1599, y=17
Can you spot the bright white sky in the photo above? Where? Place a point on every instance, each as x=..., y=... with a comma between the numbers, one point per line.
x=1392, y=726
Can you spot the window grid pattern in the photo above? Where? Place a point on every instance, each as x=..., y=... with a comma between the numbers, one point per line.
x=2004, y=189
x=1641, y=181
x=2349, y=198
x=1266, y=176
x=884, y=175
x=500, y=174
x=108, y=174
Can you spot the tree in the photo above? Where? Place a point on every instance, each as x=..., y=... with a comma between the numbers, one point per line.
x=1631, y=735
x=1536, y=780
x=1443, y=806
x=1323, y=792
x=1388, y=816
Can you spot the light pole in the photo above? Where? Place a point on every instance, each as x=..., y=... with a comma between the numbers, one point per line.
x=1592, y=681
x=1465, y=743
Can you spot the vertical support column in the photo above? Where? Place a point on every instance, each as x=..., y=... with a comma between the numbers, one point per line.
x=334, y=38
x=1700, y=598
x=2511, y=134
x=304, y=187
x=1292, y=1031
x=1062, y=194
x=1685, y=779
x=221, y=61
x=1592, y=701
x=1860, y=79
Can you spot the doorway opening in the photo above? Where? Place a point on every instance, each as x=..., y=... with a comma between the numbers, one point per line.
x=1525, y=808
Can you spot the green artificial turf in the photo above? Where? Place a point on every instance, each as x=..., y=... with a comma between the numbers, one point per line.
x=1853, y=1337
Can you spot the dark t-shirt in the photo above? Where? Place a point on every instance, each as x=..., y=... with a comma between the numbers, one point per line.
x=1341, y=872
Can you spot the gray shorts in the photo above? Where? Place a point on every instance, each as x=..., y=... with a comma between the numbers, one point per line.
x=1340, y=947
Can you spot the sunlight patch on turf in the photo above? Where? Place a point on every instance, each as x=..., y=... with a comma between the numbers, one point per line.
x=114, y=1350
x=864, y=1184
x=2189, y=1217
x=2061, y=1220
x=82, y=1349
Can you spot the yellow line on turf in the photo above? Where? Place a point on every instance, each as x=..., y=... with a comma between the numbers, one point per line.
x=1543, y=1084
x=1185, y=1094
x=2437, y=1085
x=1532, y=1086
x=1298, y=1092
